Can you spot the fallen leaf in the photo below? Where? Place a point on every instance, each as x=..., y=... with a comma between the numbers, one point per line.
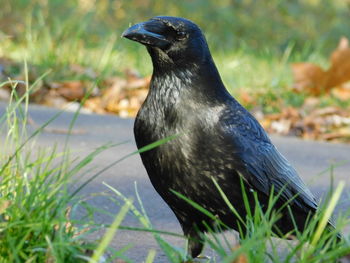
x=70, y=90
x=78, y=69
x=281, y=126
x=309, y=78
x=52, y=100
x=339, y=71
x=335, y=135
x=312, y=79
x=342, y=92
x=94, y=104
x=122, y=96
x=246, y=98
x=310, y=103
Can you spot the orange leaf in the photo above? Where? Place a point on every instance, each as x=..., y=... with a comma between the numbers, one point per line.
x=309, y=78
x=339, y=71
x=246, y=98
x=70, y=90
x=342, y=92
x=312, y=79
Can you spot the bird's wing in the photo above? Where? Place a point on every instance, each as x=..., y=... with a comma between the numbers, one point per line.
x=260, y=163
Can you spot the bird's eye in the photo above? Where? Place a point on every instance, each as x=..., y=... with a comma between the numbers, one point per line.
x=180, y=35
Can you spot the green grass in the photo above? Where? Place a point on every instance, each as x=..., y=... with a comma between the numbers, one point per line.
x=34, y=198
x=37, y=202
x=35, y=219
x=253, y=43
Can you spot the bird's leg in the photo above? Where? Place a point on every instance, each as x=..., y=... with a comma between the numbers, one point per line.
x=195, y=242
x=194, y=247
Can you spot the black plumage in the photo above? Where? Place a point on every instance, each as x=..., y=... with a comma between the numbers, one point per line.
x=217, y=138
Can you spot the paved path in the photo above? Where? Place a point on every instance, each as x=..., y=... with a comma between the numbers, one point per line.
x=311, y=159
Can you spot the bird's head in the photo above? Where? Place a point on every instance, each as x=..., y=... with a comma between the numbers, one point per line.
x=170, y=40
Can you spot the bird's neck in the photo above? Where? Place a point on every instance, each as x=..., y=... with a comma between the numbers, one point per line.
x=177, y=93
x=201, y=79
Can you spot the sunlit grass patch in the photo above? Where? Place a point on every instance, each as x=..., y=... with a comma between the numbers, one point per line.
x=37, y=204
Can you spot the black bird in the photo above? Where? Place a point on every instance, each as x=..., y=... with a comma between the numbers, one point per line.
x=218, y=138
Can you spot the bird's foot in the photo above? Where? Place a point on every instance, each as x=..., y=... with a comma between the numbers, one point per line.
x=199, y=259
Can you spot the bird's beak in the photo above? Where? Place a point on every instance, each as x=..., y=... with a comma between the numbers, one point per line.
x=146, y=33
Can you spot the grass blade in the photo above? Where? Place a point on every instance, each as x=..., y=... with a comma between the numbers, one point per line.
x=328, y=212
x=98, y=253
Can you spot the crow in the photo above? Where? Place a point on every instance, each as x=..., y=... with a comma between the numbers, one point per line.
x=218, y=139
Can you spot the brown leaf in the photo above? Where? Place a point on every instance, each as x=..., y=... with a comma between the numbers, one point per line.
x=70, y=90
x=325, y=111
x=52, y=100
x=94, y=104
x=132, y=74
x=309, y=78
x=310, y=103
x=78, y=69
x=339, y=71
x=314, y=80
x=335, y=135
x=134, y=80
x=281, y=126
x=122, y=96
x=342, y=92
x=246, y=98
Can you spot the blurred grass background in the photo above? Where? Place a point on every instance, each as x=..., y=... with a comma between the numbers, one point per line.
x=252, y=41
x=228, y=23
